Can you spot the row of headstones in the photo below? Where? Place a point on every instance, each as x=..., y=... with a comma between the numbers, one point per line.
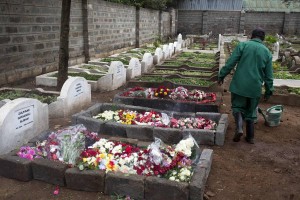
x=116, y=74
x=24, y=118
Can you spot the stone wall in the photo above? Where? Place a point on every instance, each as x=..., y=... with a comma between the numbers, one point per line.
x=149, y=28
x=112, y=26
x=190, y=22
x=271, y=22
x=202, y=22
x=30, y=33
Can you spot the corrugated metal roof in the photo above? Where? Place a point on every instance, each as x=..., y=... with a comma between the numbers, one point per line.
x=210, y=5
x=270, y=5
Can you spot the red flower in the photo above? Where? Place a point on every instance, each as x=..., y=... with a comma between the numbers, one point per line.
x=128, y=149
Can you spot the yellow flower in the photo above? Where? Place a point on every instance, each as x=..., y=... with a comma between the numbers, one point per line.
x=156, y=94
x=161, y=90
x=165, y=93
x=84, y=159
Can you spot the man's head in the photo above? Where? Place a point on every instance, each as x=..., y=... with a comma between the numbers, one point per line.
x=258, y=33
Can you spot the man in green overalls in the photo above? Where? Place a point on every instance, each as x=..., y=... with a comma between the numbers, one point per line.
x=254, y=67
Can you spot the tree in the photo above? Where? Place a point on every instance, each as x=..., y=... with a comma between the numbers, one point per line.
x=64, y=44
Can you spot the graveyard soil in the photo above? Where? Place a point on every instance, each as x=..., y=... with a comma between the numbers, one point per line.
x=269, y=169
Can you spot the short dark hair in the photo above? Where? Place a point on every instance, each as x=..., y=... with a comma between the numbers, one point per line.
x=258, y=33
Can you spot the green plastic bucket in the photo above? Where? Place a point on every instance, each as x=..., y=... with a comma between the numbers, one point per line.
x=273, y=115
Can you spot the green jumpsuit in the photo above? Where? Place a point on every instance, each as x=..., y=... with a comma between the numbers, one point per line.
x=254, y=67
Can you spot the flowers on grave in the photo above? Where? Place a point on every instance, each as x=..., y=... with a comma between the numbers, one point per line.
x=156, y=119
x=180, y=94
x=135, y=92
x=157, y=160
x=193, y=123
x=29, y=153
x=64, y=145
x=161, y=92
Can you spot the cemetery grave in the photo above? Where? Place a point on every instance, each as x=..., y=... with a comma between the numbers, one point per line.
x=179, y=99
x=74, y=96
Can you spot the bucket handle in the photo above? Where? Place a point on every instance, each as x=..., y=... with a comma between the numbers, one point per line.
x=275, y=108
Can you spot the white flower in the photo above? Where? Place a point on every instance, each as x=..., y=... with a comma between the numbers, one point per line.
x=172, y=178
x=117, y=149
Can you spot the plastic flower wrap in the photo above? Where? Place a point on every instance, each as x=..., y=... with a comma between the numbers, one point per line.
x=64, y=145
x=193, y=123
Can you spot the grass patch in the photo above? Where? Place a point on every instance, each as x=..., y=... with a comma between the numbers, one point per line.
x=8, y=94
x=189, y=63
x=110, y=59
x=196, y=55
x=286, y=75
x=185, y=81
x=196, y=73
x=91, y=77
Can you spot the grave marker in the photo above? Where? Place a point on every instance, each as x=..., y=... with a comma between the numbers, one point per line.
x=119, y=74
x=166, y=51
x=75, y=95
x=158, y=56
x=171, y=49
x=147, y=62
x=179, y=38
x=21, y=120
x=135, y=66
x=276, y=51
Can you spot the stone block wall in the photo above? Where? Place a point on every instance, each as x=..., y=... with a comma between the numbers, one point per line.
x=271, y=22
x=30, y=33
x=190, y=22
x=111, y=26
x=202, y=22
x=220, y=22
x=149, y=29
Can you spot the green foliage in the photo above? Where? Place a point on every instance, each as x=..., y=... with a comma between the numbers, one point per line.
x=286, y=75
x=294, y=91
x=110, y=59
x=188, y=73
x=18, y=94
x=90, y=77
x=270, y=39
x=278, y=67
x=190, y=63
x=154, y=4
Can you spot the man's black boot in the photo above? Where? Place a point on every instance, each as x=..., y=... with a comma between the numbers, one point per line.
x=238, y=126
x=250, y=131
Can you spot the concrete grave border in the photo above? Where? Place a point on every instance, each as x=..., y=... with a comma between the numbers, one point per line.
x=147, y=133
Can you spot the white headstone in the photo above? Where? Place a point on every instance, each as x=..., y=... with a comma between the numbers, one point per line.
x=219, y=42
x=177, y=46
x=147, y=62
x=21, y=120
x=179, y=38
x=119, y=74
x=276, y=51
x=75, y=95
x=159, y=55
x=166, y=51
x=135, y=65
x=171, y=49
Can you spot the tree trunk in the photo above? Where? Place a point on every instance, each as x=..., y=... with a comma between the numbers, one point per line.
x=64, y=44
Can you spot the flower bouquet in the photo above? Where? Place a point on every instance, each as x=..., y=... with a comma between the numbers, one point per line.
x=64, y=145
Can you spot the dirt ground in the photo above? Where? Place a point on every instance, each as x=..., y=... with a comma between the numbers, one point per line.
x=267, y=170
